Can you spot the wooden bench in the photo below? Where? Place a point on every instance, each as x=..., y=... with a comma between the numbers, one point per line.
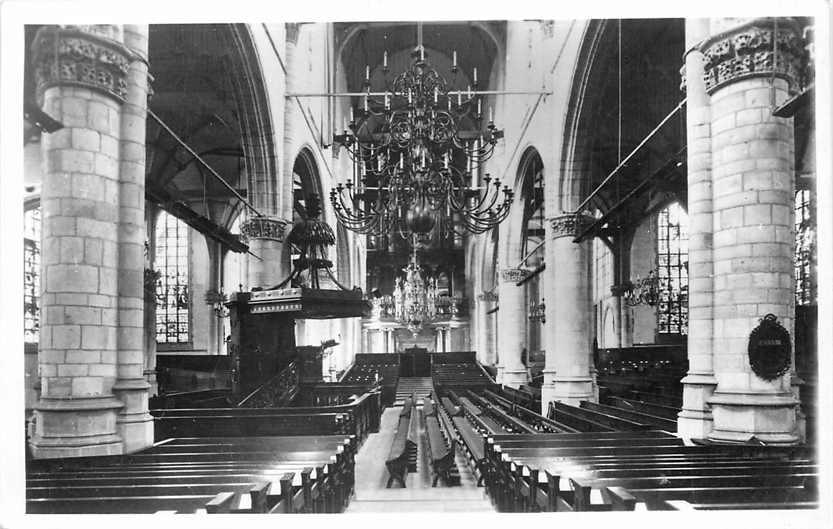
x=450, y=408
x=590, y=420
x=534, y=478
x=205, y=477
x=402, y=455
x=530, y=418
x=519, y=396
x=695, y=485
x=659, y=410
x=637, y=416
x=440, y=454
x=162, y=492
x=359, y=417
x=674, y=400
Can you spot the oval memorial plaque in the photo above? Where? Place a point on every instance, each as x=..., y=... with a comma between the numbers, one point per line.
x=769, y=349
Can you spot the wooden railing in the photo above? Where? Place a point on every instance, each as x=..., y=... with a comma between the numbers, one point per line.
x=359, y=417
x=276, y=392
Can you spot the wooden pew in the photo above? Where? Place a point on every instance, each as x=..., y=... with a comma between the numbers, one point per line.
x=136, y=483
x=518, y=396
x=668, y=412
x=478, y=418
x=359, y=417
x=450, y=434
x=473, y=443
x=402, y=455
x=440, y=455
x=505, y=420
x=664, y=399
x=523, y=469
x=589, y=420
x=653, y=489
x=534, y=420
x=450, y=408
x=637, y=416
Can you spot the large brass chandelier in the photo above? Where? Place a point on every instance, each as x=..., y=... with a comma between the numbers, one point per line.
x=417, y=148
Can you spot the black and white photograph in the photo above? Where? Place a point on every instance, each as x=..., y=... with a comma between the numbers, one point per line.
x=414, y=263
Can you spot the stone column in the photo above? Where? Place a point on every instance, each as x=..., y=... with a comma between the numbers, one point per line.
x=512, y=313
x=265, y=236
x=135, y=425
x=485, y=332
x=753, y=188
x=82, y=80
x=695, y=419
x=271, y=195
x=567, y=376
x=149, y=344
x=365, y=341
x=215, y=285
x=391, y=340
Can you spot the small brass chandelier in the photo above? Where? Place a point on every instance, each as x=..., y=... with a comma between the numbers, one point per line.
x=415, y=297
x=417, y=149
x=644, y=291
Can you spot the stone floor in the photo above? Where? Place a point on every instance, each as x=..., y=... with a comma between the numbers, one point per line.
x=418, y=496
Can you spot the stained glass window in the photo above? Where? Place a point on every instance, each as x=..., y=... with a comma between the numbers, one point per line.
x=804, y=247
x=31, y=275
x=672, y=270
x=171, y=261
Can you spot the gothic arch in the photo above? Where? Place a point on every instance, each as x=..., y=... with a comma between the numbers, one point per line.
x=258, y=131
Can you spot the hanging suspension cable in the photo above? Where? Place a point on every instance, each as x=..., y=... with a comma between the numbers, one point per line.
x=313, y=130
x=629, y=156
x=619, y=260
x=619, y=96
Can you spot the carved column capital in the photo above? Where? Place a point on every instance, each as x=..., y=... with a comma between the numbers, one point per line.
x=71, y=56
x=620, y=289
x=271, y=228
x=754, y=50
x=570, y=225
x=292, y=29
x=487, y=296
x=513, y=275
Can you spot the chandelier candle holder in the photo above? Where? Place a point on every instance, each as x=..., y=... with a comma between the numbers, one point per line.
x=417, y=148
x=644, y=291
x=537, y=311
x=414, y=297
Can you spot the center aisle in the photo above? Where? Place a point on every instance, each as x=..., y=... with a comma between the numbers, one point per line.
x=371, y=477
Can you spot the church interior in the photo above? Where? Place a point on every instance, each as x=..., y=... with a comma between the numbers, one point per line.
x=426, y=266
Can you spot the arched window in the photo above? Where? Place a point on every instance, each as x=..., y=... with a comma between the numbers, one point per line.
x=171, y=260
x=805, y=292
x=31, y=275
x=672, y=270
x=532, y=251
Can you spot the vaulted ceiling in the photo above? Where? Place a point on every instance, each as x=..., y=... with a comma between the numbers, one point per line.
x=192, y=93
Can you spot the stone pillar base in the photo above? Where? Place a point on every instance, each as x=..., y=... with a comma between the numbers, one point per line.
x=79, y=427
x=695, y=421
x=547, y=396
x=694, y=424
x=512, y=377
x=768, y=417
x=134, y=423
x=570, y=390
x=801, y=426
x=547, y=391
x=797, y=383
x=153, y=385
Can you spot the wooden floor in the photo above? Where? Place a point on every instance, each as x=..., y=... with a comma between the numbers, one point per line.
x=418, y=496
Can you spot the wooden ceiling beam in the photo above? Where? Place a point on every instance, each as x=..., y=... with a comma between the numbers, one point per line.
x=179, y=209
